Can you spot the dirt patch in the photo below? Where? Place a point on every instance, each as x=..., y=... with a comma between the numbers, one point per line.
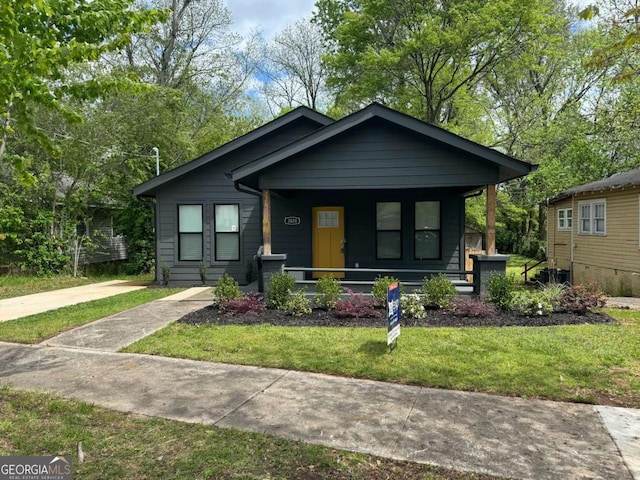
x=434, y=318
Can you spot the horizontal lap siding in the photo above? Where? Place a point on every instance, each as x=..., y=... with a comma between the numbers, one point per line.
x=378, y=155
x=559, y=241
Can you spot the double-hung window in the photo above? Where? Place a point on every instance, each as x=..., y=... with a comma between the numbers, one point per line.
x=190, y=232
x=427, y=230
x=388, y=230
x=565, y=219
x=227, y=232
x=593, y=217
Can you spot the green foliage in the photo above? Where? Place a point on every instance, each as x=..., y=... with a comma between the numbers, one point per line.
x=280, y=289
x=297, y=304
x=166, y=273
x=530, y=303
x=551, y=292
x=328, y=292
x=135, y=222
x=381, y=287
x=438, y=291
x=39, y=251
x=412, y=306
x=202, y=270
x=226, y=289
x=501, y=289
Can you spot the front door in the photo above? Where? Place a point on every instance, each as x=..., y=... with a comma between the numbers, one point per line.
x=328, y=240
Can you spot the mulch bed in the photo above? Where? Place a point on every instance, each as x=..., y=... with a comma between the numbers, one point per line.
x=434, y=318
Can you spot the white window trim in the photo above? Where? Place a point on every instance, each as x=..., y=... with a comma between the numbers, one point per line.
x=567, y=221
x=592, y=220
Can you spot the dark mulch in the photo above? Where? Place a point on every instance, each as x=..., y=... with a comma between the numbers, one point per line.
x=434, y=318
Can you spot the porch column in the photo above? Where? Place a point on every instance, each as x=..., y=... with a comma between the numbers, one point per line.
x=266, y=221
x=491, y=220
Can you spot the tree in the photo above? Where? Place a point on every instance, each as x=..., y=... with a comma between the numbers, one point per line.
x=41, y=41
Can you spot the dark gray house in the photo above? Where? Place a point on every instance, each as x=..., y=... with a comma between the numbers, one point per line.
x=376, y=189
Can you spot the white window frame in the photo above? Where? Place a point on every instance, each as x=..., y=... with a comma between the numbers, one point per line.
x=591, y=219
x=565, y=219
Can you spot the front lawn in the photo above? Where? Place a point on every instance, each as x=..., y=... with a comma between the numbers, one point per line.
x=584, y=363
x=117, y=445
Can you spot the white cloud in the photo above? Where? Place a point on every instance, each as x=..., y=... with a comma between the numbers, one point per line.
x=268, y=16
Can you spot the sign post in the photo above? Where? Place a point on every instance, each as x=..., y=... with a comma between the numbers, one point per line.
x=393, y=315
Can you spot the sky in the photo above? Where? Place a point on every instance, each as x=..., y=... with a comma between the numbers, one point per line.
x=269, y=16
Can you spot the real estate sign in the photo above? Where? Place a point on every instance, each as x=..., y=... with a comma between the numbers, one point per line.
x=393, y=312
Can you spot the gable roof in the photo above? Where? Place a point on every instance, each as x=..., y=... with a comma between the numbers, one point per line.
x=615, y=181
x=148, y=188
x=509, y=167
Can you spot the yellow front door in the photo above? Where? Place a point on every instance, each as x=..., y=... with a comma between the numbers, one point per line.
x=328, y=240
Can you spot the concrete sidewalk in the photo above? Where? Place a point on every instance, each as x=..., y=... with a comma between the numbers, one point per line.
x=17, y=307
x=503, y=436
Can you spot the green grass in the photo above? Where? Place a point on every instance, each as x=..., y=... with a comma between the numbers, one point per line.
x=36, y=328
x=18, y=285
x=516, y=263
x=125, y=446
x=586, y=363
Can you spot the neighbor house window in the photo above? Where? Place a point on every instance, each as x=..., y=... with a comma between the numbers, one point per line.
x=388, y=230
x=593, y=217
x=427, y=230
x=190, y=232
x=227, y=232
x=565, y=219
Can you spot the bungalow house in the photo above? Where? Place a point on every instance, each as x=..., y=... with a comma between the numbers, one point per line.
x=375, y=190
x=594, y=233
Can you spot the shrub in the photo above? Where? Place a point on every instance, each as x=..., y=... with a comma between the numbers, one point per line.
x=530, y=303
x=380, y=288
x=580, y=299
x=356, y=305
x=473, y=307
x=226, y=289
x=438, y=291
x=412, y=306
x=328, y=292
x=501, y=289
x=297, y=304
x=280, y=290
x=166, y=273
x=252, y=304
x=202, y=269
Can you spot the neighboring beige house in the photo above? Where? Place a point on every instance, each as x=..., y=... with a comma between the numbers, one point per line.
x=593, y=231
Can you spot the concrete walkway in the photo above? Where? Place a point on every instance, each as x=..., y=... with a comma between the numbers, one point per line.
x=17, y=307
x=503, y=436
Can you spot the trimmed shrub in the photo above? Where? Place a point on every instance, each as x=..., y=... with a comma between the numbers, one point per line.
x=297, y=304
x=380, y=288
x=226, y=289
x=252, y=304
x=412, y=306
x=579, y=299
x=328, y=292
x=501, y=289
x=280, y=290
x=530, y=303
x=438, y=291
x=356, y=305
x=473, y=307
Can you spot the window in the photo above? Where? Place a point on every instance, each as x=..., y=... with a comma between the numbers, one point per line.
x=565, y=219
x=190, y=232
x=388, y=230
x=593, y=217
x=227, y=233
x=427, y=230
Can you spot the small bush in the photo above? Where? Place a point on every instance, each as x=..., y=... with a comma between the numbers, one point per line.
x=472, y=307
x=438, y=291
x=412, y=306
x=356, y=305
x=252, y=304
x=226, y=289
x=166, y=273
x=380, y=288
x=297, y=304
x=552, y=293
x=501, y=289
x=328, y=292
x=580, y=299
x=202, y=269
x=530, y=303
x=280, y=290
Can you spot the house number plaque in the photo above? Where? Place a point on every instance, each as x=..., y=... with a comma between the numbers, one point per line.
x=292, y=220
